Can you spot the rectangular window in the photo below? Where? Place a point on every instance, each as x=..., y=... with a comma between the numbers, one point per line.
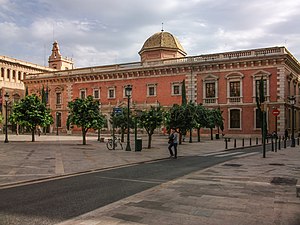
x=82, y=94
x=151, y=90
x=210, y=90
x=96, y=93
x=258, y=119
x=235, y=118
x=58, y=98
x=176, y=89
x=257, y=87
x=111, y=93
x=235, y=90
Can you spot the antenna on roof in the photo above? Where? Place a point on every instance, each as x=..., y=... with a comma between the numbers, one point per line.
x=162, y=27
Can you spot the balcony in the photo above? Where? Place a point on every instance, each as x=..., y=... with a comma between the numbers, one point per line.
x=235, y=99
x=210, y=100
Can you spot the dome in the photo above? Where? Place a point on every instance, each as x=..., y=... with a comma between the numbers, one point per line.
x=162, y=40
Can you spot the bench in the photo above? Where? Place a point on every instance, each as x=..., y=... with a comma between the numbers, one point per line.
x=298, y=188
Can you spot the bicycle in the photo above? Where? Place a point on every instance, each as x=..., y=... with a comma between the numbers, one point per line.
x=117, y=142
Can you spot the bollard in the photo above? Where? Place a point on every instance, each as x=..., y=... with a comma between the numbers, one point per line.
x=234, y=143
x=250, y=142
x=226, y=146
x=275, y=144
x=243, y=143
x=284, y=143
x=267, y=140
x=256, y=141
x=272, y=143
x=279, y=141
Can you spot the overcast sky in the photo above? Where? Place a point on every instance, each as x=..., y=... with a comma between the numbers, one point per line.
x=100, y=32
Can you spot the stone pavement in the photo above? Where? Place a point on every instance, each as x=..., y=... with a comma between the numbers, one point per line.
x=245, y=190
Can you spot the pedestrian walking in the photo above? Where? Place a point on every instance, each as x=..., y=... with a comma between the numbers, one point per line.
x=173, y=142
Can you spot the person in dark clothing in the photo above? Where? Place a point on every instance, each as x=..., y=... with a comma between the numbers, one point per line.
x=173, y=142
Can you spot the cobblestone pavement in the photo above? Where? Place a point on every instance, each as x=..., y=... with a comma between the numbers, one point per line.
x=245, y=190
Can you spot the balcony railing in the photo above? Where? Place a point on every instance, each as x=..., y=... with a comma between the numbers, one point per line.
x=210, y=100
x=234, y=99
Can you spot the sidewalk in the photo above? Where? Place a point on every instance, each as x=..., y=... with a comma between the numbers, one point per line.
x=246, y=190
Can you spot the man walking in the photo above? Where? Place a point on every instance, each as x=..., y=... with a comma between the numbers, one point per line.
x=173, y=142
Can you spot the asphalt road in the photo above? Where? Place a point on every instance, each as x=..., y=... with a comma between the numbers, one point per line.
x=55, y=201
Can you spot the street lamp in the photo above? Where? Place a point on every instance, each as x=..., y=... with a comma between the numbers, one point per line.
x=6, y=98
x=128, y=91
x=292, y=101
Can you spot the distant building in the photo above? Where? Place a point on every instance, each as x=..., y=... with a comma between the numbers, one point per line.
x=225, y=80
x=14, y=71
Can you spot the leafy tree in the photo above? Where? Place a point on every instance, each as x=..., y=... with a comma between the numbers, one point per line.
x=1, y=118
x=182, y=117
x=200, y=119
x=120, y=121
x=31, y=112
x=85, y=113
x=150, y=120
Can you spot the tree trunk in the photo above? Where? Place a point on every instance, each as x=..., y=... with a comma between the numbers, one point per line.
x=211, y=134
x=83, y=136
x=122, y=135
x=180, y=138
x=191, y=136
x=198, y=134
x=98, y=134
x=32, y=135
x=149, y=140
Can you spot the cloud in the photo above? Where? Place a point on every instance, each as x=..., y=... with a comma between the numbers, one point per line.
x=96, y=32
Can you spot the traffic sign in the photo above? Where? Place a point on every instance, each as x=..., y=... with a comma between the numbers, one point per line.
x=275, y=112
x=117, y=110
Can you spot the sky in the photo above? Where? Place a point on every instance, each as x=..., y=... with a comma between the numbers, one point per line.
x=101, y=32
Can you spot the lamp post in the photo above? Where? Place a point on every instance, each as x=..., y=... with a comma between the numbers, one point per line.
x=128, y=91
x=6, y=98
x=292, y=101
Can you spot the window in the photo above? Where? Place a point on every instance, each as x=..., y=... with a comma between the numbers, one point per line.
x=234, y=88
x=151, y=90
x=19, y=75
x=210, y=90
x=176, y=89
x=96, y=93
x=58, y=98
x=2, y=72
x=82, y=94
x=111, y=93
x=235, y=118
x=257, y=82
x=258, y=119
x=8, y=73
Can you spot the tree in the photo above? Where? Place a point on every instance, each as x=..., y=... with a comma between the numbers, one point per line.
x=85, y=113
x=260, y=99
x=182, y=117
x=150, y=120
x=200, y=118
x=31, y=112
x=120, y=121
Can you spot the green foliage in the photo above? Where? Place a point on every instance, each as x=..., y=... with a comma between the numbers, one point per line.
x=85, y=113
x=31, y=112
x=150, y=120
x=182, y=117
x=1, y=118
x=120, y=120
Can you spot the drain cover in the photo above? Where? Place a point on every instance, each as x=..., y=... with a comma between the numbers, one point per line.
x=232, y=164
x=284, y=181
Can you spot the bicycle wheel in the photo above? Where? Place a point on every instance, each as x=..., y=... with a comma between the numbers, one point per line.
x=109, y=145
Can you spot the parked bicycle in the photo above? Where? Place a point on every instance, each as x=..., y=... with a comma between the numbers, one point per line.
x=116, y=141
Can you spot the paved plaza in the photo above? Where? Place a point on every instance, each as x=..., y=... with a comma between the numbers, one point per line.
x=245, y=190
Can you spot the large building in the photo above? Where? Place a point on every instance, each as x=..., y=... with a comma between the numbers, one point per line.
x=13, y=72
x=225, y=80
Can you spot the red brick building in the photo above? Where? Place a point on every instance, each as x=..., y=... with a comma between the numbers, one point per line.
x=226, y=80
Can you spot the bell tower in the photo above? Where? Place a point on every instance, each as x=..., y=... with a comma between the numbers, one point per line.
x=56, y=61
